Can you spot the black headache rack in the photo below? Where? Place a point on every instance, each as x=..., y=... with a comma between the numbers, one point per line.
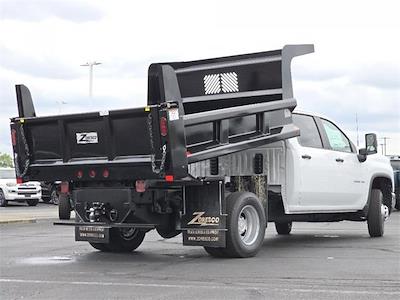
x=212, y=107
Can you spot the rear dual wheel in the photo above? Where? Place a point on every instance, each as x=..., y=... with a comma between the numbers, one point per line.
x=121, y=240
x=246, y=223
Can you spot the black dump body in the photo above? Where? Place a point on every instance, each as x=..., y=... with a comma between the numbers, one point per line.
x=209, y=107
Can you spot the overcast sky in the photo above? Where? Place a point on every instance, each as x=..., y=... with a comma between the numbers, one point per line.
x=355, y=67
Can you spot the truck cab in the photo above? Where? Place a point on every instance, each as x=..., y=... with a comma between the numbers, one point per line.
x=326, y=172
x=323, y=176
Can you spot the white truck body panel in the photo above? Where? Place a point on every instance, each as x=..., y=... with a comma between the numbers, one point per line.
x=328, y=181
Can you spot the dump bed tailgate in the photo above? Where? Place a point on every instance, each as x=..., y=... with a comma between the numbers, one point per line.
x=66, y=146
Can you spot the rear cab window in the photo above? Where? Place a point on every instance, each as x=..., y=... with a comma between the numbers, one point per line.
x=309, y=134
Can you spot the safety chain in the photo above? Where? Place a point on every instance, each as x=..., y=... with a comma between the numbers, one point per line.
x=27, y=160
x=153, y=156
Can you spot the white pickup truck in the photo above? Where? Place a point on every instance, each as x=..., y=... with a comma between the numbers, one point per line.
x=317, y=177
x=10, y=190
x=320, y=176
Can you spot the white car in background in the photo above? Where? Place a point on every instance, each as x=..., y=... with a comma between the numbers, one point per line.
x=10, y=190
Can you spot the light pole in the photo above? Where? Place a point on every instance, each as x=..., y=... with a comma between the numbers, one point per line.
x=90, y=65
x=60, y=103
x=385, y=138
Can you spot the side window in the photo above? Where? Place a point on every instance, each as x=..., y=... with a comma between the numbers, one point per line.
x=309, y=135
x=337, y=140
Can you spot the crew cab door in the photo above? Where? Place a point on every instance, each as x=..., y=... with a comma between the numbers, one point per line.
x=350, y=176
x=325, y=162
x=313, y=173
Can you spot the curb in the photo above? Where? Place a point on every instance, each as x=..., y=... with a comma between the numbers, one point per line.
x=22, y=221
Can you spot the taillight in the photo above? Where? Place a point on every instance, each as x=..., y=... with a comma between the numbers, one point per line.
x=163, y=126
x=13, y=137
x=169, y=178
x=92, y=173
x=79, y=174
x=65, y=187
x=106, y=173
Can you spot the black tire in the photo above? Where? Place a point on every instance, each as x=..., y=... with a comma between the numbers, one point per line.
x=397, y=193
x=125, y=239
x=375, y=220
x=3, y=201
x=216, y=252
x=167, y=234
x=283, y=228
x=46, y=200
x=121, y=242
x=54, y=196
x=169, y=231
x=64, y=207
x=32, y=202
x=238, y=243
x=100, y=246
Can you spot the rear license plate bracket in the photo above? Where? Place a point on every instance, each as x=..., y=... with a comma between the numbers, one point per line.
x=94, y=234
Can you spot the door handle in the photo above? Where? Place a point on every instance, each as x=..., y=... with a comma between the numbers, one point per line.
x=340, y=160
x=306, y=156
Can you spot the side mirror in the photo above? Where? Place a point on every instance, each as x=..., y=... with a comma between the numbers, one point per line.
x=371, y=147
x=371, y=143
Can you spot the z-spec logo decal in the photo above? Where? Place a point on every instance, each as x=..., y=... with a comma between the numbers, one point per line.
x=221, y=83
x=199, y=219
x=86, y=138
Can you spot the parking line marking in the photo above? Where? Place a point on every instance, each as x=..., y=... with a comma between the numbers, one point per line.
x=191, y=286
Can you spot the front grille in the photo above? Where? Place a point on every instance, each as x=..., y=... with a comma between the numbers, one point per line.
x=27, y=193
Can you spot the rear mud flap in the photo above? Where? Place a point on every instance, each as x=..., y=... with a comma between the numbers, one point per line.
x=204, y=218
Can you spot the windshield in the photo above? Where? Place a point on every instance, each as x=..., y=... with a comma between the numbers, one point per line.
x=7, y=174
x=395, y=164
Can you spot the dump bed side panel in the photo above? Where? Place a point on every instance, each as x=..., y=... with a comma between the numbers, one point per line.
x=230, y=100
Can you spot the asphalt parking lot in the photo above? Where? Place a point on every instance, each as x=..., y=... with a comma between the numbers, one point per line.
x=317, y=261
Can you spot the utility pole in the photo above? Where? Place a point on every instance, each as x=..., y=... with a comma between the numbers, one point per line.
x=90, y=65
x=382, y=149
x=358, y=140
x=385, y=138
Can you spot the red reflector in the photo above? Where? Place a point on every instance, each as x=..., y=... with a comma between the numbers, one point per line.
x=79, y=174
x=140, y=186
x=106, y=173
x=13, y=137
x=188, y=153
x=163, y=126
x=19, y=180
x=64, y=187
x=169, y=178
x=92, y=173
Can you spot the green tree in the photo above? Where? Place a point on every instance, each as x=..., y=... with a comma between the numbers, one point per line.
x=5, y=160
